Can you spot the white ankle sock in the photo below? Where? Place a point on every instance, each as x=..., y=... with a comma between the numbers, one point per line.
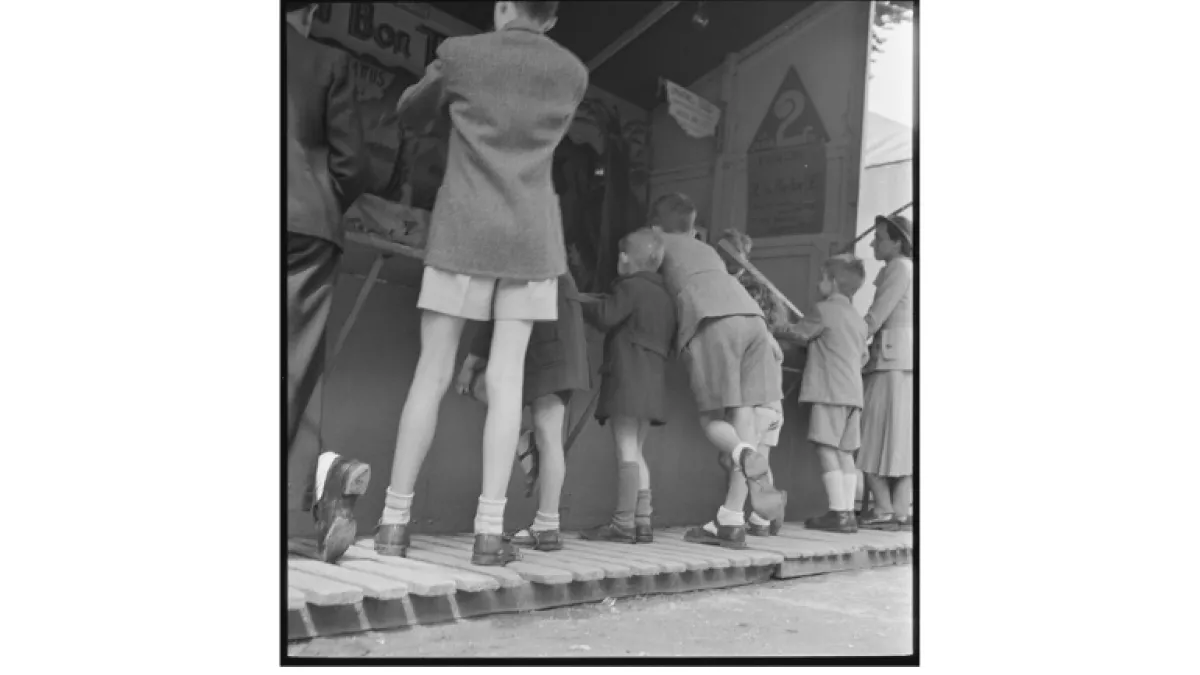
x=833, y=487
x=543, y=522
x=489, y=516
x=737, y=454
x=397, y=508
x=730, y=518
x=324, y=462
x=756, y=519
x=850, y=486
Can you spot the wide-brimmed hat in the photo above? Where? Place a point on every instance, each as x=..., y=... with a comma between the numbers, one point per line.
x=904, y=225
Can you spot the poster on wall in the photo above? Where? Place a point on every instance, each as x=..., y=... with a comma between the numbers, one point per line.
x=697, y=116
x=389, y=45
x=786, y=166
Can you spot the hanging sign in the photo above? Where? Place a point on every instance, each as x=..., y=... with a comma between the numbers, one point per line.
x=696, y=116
x=786, y=166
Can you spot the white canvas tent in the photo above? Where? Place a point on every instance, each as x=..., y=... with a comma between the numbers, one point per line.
x=886, y=185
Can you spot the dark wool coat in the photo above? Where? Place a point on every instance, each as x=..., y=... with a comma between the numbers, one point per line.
x=556, y=361
x=638, y=320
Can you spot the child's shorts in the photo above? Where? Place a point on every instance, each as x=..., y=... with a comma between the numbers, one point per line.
x=836, y=426
x=731, y=362
x=769, y=419
x=486, y=299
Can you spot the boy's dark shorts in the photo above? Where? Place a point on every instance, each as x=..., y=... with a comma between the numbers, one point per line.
x=731, y=363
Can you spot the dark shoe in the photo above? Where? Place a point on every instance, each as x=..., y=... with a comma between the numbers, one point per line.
x=777, y=523
x=764, y=498
x=610, y=532
x=391, y=540
x=758, y=530
x=851, y=521
x=832, y=521
x=343, y=483
x=491, y=550
x=644, y=533
x=874, y=521
x=728, y=536
x=538, y=540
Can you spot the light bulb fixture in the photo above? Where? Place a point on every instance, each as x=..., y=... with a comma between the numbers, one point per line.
x=700, y=18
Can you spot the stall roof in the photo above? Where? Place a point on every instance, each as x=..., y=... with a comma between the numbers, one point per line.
x=887, y=141
x=674, y=47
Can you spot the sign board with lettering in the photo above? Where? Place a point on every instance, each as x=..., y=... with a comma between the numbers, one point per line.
x=786, y=166
x=696, y=116
x=390, y=44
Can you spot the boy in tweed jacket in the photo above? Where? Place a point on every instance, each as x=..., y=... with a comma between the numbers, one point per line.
x=495, y=247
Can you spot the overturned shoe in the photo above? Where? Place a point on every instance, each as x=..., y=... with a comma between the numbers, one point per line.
x=832, y=521
x=756, y=530
x=727, y=536
x=610, y=532
x=392, y=540
x=538, y=540
x=492, y=551
x=643, y=533
x=344, y=481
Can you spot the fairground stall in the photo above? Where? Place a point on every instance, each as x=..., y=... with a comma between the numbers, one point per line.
x=753, y=109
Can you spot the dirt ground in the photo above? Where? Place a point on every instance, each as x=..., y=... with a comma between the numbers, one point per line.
x=864, y=613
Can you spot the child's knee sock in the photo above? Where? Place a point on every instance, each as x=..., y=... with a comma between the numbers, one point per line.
x=544, y=522
x=833, y=487
x=628, y=474
x=643, y=511
x=489, y=516
x=397, y=508
x=849, y=487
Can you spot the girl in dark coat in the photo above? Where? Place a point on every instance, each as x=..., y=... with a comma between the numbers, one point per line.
x=556, y=365
x=638, y=320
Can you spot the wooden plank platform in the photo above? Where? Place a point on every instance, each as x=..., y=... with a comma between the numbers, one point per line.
x=437, y=582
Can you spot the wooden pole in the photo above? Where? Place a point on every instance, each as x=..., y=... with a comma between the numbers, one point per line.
x=849, y=248
x=759, y=276
x=630, y=35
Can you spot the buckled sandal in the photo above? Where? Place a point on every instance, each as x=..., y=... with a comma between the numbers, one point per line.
x=727, y=536
x=538, y=540
x=392, y=540
x=492, y=551
x=610, y=532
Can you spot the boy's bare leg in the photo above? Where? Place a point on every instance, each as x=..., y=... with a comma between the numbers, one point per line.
x=643, y=468
x=440, y=334
x=505, y=379
x=549, y=413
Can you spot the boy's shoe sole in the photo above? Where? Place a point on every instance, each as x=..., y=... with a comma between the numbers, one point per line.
x=735, y=537
x=336, y=528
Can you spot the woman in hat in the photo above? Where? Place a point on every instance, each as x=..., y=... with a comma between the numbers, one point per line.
x=887, y=430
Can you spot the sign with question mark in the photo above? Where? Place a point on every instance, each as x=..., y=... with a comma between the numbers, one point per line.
x=786, y=165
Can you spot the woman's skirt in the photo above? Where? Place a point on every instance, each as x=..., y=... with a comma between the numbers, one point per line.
x=887, y=424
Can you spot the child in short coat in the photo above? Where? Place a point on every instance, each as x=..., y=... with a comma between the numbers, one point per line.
x=832, y=383
x=638, y=320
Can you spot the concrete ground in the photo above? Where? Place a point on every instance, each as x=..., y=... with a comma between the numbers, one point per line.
x=863, y=613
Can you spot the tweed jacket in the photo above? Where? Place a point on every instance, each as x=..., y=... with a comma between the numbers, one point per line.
x=702, y=287
x=511, y=96
x=833, y=371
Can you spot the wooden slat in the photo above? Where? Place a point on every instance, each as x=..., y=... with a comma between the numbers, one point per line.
x=811, y=546
x=738, y=557
x=841, y=541
x=418, y=583
x=427, y=577
x=646, y=565
x=374, y=586
x=713, y=556
x=322, y=591
x=672, y=563
x=581, y=570
x=295, y=599
x=436, y=555
x=616, y=567
x=538, y=574
x=794, y=549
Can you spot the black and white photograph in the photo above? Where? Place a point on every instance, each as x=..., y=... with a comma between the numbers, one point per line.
x=600, y=329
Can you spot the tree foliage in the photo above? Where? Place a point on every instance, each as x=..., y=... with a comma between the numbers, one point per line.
x=888, y=14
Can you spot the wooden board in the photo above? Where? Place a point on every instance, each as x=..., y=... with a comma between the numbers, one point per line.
x=528, y=571
x=321, y=591
x=295, y=599
x=747, y=557
x=372, y=585
x=427, y=577
x=674, y=564
x=418, y=582
x=581, y=570
x=454, y=559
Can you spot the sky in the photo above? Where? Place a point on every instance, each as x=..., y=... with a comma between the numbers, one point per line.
x=890, y=92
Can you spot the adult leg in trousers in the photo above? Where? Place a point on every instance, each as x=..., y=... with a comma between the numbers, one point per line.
x=322, y=482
